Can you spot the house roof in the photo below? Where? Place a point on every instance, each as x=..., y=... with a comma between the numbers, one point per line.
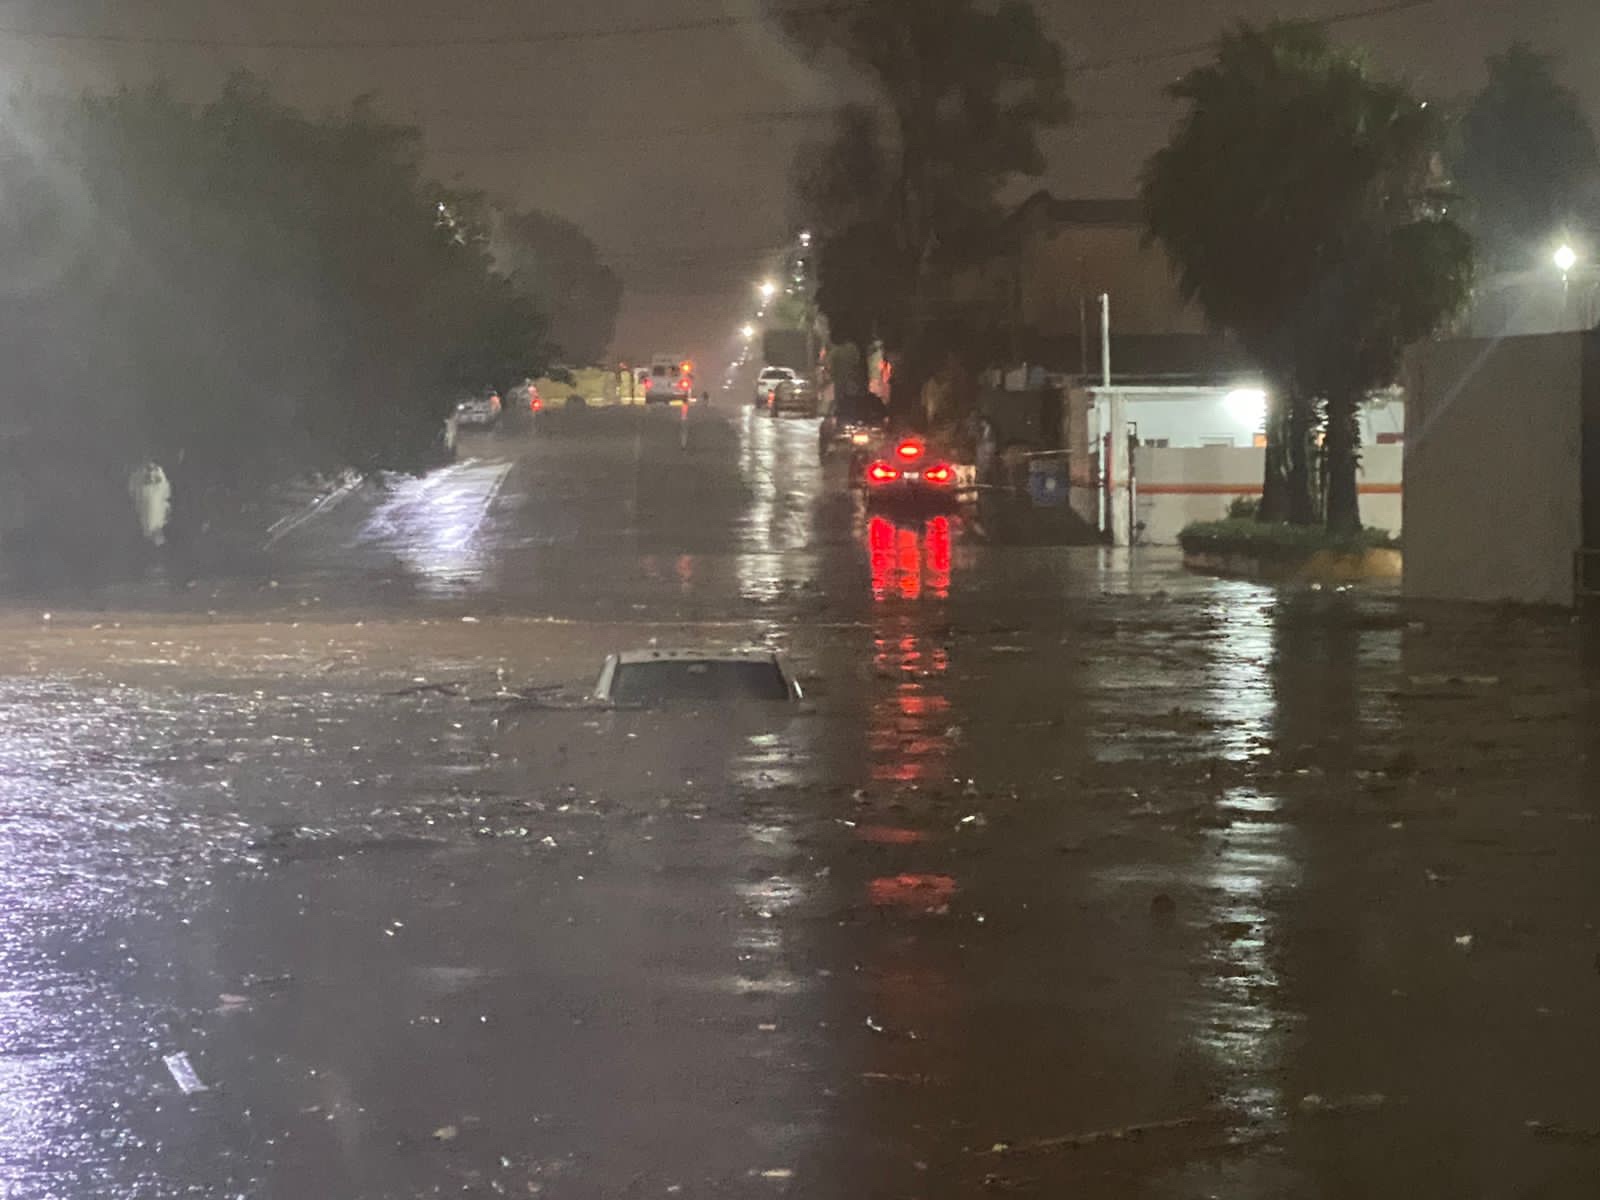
x=1139, y=358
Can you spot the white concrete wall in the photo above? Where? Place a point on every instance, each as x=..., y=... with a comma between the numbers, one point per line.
x=1178, y=487
x=1206, y=417
x=1493, y=502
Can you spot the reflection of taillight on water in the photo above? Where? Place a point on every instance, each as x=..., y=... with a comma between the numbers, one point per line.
x=882, y=472
x=909, y=561
x=880, y=548
x=940, y=474
x=938, y=544
x=919, y=894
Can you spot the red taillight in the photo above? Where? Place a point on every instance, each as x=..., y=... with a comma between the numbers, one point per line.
x=685, y=384
x=882, y=472
x=940, y=473
x=909, y=450
x=535, y=403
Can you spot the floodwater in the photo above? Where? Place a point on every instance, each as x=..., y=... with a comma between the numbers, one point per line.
x=1075, y=875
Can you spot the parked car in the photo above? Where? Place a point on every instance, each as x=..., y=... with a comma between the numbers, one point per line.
x=853, y=426
x=481, y=411
x=797, y=396
x=767, y=382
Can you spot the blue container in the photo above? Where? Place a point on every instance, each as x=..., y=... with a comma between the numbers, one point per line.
x=1047, y=482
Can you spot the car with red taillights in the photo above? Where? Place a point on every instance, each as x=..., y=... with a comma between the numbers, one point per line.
x=910, y=471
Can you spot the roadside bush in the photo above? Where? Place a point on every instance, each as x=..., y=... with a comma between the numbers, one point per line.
x=1245, y=535
x=1245, y=508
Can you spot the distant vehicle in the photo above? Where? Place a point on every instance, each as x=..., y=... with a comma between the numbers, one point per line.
x=671, y=379
x=855, y=427
x=767, y=382
x=910, y=474
x=796, y=396
x=481, y=411
x=644, y=678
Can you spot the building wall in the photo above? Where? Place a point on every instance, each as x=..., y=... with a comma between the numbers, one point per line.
x=1180, y=486
x=1493, y=500
x=1065, y=269
x=1189, y=417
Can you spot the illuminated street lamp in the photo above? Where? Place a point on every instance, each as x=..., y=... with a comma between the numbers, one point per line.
x=747, y=331
x=1565, y=259
x=768, y=289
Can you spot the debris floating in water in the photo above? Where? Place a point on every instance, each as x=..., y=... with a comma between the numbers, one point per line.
x=184, y=1074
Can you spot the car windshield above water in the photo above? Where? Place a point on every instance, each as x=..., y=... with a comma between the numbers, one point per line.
x=654, y=677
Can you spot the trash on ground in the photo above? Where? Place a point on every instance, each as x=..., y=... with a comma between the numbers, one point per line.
x=1122, y=1133
x=1438, y=681
x=184, y=1074
x=1003, y=1183
x=1464, y=941
x=429, y=689
x=1317, y=1105
x=267, y=983
x=1555, y=1131
x=446, y=1133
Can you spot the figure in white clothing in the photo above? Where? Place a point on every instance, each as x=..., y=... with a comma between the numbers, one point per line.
x=152, y=501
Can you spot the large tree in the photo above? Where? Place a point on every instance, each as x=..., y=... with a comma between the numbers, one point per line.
x=239, y=292
x=1298, y=200
x=962, y=92
x=556, y=264
x=1527, y=159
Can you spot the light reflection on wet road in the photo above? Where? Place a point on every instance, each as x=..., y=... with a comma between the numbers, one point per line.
x=1077, y=875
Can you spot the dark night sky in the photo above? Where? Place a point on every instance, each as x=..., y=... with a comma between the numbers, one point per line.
x=665, y=147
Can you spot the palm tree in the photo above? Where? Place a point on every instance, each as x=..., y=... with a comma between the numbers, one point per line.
x=1283, y=198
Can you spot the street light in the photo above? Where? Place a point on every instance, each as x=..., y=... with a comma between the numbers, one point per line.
x=1565, y=259
x=768, y=289
x=747, y=331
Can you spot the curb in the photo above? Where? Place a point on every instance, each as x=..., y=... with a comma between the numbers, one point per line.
x=284, y=526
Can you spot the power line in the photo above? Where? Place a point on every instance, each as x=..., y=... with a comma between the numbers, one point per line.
x=568, y=134
x=1153, y=57
x=544, y=38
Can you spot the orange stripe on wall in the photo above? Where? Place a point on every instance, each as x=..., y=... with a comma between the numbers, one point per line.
x=1244, y=489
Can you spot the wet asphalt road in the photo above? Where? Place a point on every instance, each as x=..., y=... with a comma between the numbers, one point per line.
x=1077, y=877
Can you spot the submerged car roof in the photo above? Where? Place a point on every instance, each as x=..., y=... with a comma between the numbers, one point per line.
x=683, y=654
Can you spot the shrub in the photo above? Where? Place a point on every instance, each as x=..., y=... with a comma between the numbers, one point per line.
x=1273, y=541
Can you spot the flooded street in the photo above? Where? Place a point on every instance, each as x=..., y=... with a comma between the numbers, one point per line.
x=1075, y=875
